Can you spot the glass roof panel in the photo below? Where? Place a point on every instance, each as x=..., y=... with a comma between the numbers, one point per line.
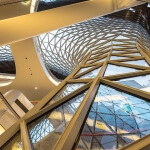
x=67, y=89
x=138, y=62
x=118, y=57
x=47, y=129
x=114, y=120
x=135, y=54
x=84, y=69
x=117, y=51
x=91, y=74
x=101, y=60
x=114, y=70
x=122, y=37
x=139, y=82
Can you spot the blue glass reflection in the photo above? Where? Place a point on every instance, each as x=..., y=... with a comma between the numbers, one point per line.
x=139, y=82
x=138, y=62
x=91, y=74
x=67, y=89
x=114, y=70
x=115, y=120
x=84, y=69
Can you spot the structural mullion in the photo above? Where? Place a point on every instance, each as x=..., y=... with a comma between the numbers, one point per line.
x=127, y=89
x=127, y=75
x=128, y=65
x=143, y=54
x=68, y=137
x=87, y=71
x=140, y=144
x=25, y=136
x=57, y=103
x=129, y=59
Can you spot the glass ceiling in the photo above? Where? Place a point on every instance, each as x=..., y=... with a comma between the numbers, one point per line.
x=63, y=49
x=115, y=117
x=114, y=120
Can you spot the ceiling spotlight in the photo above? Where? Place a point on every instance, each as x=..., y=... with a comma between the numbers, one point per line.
x=35, y=87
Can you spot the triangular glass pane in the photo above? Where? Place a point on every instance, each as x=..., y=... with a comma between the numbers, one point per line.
x=87, y=142
x=90, y=61
x=67, y=89
x=130, y=138
x=139, y=82
x=118, y=57
x=97, y=60
x=109, y=142
x=118, y=47
x=14, y=143
x=134, y=54
x=126, y=122
x=118, y=42
x=114, y=70
x=121, y=37
x=138, y=62
x=95, y=144
x=91, y=74
x=47, y=129
x=109, y=35
x=115, y=51
x=84, y=69
x=101, y=60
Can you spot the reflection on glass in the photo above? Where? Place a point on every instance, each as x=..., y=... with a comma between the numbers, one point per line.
x=45, y=131
x=14, y=143
x=91, y=74
x=84, y=69
x=138, y=62
x=67, y=89
x=113, y=70
x=139, y=82
x=115, y=120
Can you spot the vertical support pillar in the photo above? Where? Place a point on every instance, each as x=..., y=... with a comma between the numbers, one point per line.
x=25, y=136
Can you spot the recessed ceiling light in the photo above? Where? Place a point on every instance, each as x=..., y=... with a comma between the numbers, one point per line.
x=35, y=87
